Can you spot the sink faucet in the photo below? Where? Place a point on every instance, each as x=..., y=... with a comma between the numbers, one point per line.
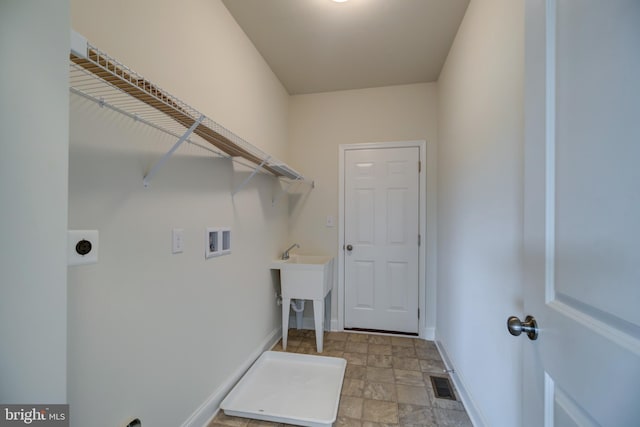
x=285, y=254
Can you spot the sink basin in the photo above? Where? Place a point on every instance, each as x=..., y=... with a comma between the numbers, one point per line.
x=305, y=276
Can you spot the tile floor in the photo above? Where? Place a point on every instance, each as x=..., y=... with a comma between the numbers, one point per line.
x=386, y=382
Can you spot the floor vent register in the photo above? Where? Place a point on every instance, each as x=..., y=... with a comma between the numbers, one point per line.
x=442, y=388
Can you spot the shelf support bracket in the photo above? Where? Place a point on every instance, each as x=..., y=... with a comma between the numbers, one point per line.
x=275, y=199
x=147, y=178
x=255, y=171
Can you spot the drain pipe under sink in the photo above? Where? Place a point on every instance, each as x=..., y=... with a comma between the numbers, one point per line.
x=299, y=311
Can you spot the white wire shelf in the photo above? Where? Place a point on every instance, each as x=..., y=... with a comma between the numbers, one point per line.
x=101, y=78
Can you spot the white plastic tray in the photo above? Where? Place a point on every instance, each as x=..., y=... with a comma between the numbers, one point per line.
x=289, y=388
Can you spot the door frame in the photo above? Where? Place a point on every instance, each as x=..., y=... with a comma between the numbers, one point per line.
x=426, y=251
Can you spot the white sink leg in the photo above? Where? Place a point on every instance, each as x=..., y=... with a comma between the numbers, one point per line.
x=318, y=320
x=286, y=304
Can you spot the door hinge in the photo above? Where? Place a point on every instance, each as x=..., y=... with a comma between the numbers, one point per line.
x=419, y=166
x=419, y=240
x=418, y=312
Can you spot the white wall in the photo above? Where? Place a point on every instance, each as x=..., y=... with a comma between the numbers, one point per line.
x=319, y=123
x=34, y=40
x=151, y=334
x=480, y=173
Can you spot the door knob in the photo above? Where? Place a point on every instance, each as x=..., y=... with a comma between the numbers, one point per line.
x=529, y=326
x=349, y=248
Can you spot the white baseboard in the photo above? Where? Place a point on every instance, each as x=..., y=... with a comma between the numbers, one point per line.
x=209, y=409
x=430, y=334
x=458, y=382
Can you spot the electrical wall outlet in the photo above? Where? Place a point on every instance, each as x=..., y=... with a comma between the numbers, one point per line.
x=330, y=221
x=82, y=247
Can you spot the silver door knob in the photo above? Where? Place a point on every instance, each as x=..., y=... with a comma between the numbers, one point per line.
x=349, y=248
x=529, y=326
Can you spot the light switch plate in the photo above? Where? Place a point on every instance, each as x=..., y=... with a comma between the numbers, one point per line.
x=82, y=247
x=177, y=240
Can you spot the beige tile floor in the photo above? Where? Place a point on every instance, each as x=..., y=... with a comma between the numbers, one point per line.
x=386, y=382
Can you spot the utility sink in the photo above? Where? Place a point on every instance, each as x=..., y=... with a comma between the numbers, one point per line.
x=307, y=277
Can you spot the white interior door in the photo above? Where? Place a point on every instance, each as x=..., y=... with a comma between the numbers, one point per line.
x=582, y=213
x=381, y=238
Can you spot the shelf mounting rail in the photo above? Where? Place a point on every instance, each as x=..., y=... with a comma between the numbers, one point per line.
x=100, y=76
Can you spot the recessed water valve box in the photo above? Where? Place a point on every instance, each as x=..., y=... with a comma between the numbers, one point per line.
x=217, y=241
x=226, y=240
x=212, y=243
x=82, y=247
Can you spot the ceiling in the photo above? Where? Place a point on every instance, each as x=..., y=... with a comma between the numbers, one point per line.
x=320, y=45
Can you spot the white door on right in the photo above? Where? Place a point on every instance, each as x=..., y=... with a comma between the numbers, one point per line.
x=582, y=213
